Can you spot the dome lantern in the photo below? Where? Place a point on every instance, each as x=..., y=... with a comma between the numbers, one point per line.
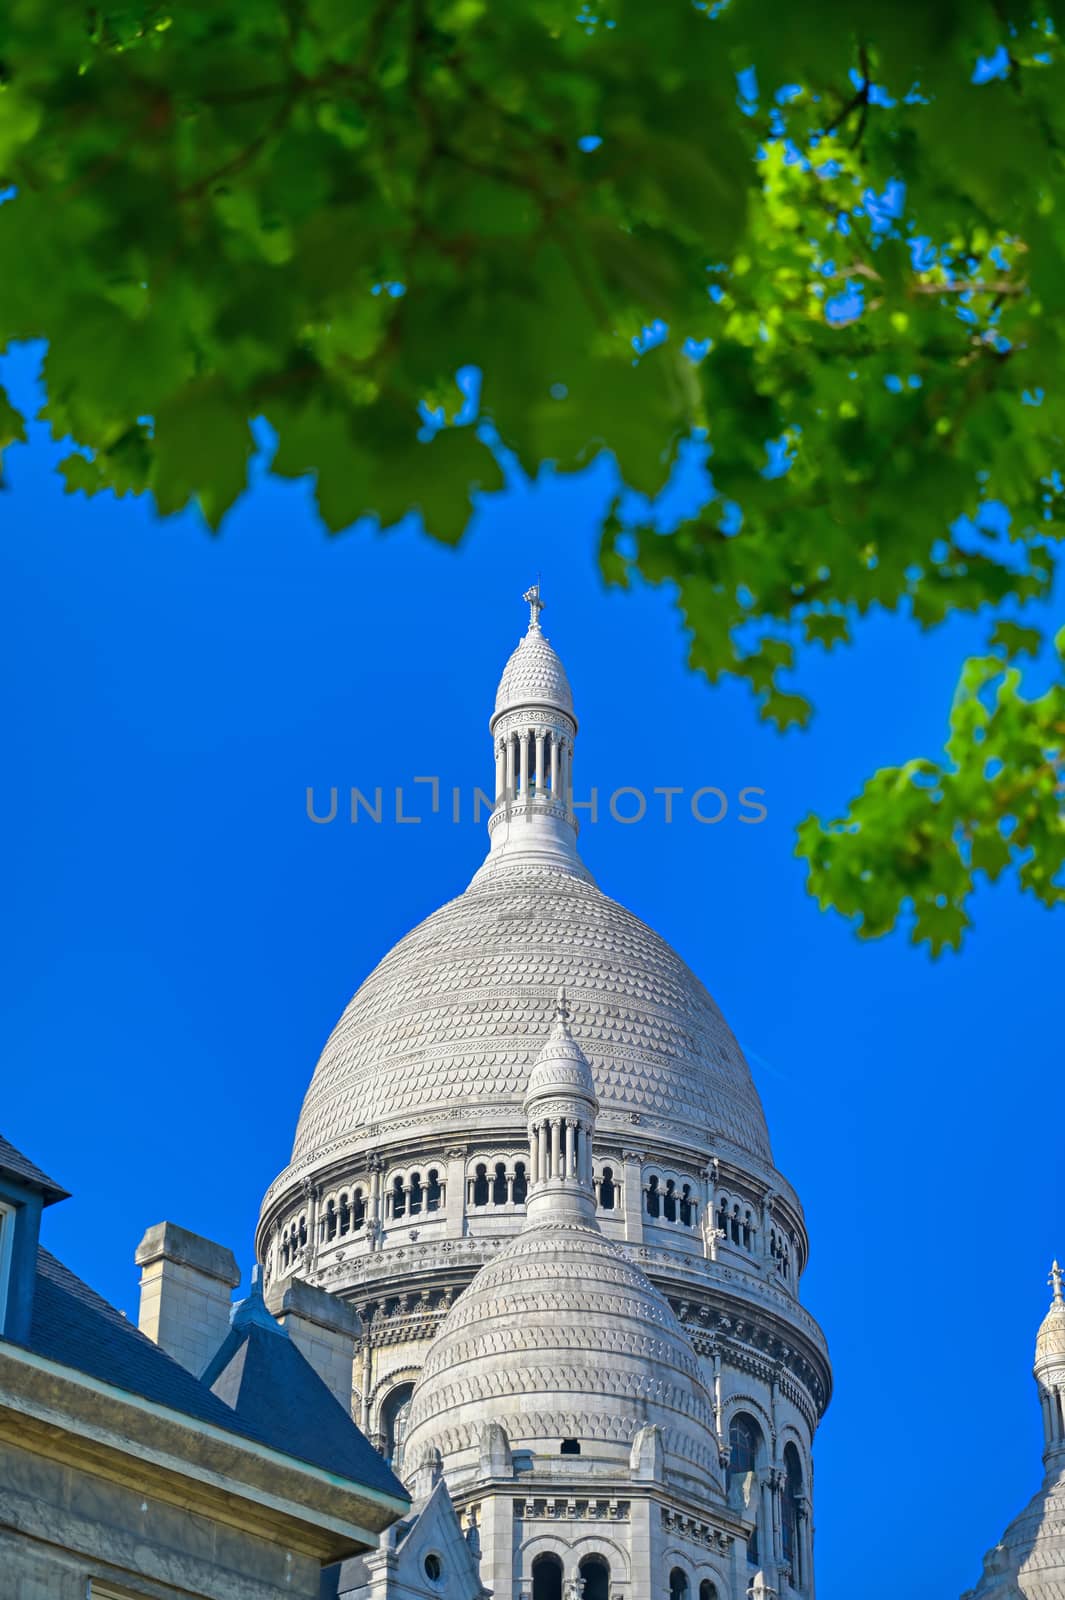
x=533, y=728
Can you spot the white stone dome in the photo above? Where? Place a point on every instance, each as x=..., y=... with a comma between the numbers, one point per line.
x=534, y=675
x=448, y=1025
x=1028, y=1563
x=561, y=1337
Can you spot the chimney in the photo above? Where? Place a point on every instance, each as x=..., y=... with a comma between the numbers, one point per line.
x=186, y=1282
x=324, y=1329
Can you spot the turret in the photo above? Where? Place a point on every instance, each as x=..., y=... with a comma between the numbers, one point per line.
x=1049, y=1372
x=560, y=1107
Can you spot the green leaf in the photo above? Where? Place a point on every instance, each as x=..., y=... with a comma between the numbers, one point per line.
x=1013, y=640
x=201, y=450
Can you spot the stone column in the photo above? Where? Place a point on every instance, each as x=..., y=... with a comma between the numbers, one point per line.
x=554, y=767
x=311, y=1195
x=804, y=1541
x=633, y=1196
x=523, y=751
x=540, y=763
x=556, y=1147
x=501, y=769
x=572, y=1146
x=767, y=1530
x=767, y=1223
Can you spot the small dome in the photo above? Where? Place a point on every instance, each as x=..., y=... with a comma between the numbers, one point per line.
x=1050, y=1340
x=562, y=1066
x=561, y=1337
x=534, y=676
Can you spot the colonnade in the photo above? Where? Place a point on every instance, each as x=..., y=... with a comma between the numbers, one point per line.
x=533, y=762
x=561, y=1147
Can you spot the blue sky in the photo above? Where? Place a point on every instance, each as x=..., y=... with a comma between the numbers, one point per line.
x=180, y=938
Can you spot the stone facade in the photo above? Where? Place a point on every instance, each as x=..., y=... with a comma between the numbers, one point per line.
x=125, y=1477
x=413, y=1172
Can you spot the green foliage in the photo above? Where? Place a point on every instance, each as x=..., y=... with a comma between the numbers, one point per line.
x=317, y=213
x=916, y=835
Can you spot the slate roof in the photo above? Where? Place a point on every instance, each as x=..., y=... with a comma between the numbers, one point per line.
x=276, y=1404
x=261, y=1374
x=15, y=1165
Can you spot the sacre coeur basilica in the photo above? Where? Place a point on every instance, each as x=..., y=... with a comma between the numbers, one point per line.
x=525, y=1322
x=534, y=1165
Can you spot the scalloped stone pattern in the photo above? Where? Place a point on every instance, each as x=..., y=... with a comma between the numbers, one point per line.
x=559, y=1322
x=1028, y=1563
x=1050, y=1340
x=457, y=1012
x=534, y=675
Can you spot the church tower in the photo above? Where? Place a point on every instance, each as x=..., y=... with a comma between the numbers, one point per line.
x=575, y=1265
x=1028, y=1563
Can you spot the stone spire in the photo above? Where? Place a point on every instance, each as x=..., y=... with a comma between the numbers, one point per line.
x=533, y=729
x=535, y=604
x=1049, y=1371
x=560, y=1108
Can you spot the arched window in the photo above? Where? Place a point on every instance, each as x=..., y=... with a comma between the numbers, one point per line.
x=790, y=1525
x=722, y=1217
x=432, y=1190
x=747, y=1219
x=358, y=1209
x=499, y=1185
x=734, y=1225
x=329, y=1221
x=303, y=1230
x=654, y=1199
x=707, y=1590
x=415, y=1193
x=570, y=1447
x=547, y=1578
x=686, y=1209
x=596, y=1574
x=607, y=1191
x=394, y=1415
x=399, y=1198
x=669, y=1202
x=744, y=1437
x=345, y=1214
x=678, y=1584
x=521, y=1184
x=480, y=1186
x=744, y=1443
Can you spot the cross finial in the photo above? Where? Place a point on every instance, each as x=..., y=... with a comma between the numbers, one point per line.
x=562, y=1010
x=1057, y=1275
x=535, y=604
